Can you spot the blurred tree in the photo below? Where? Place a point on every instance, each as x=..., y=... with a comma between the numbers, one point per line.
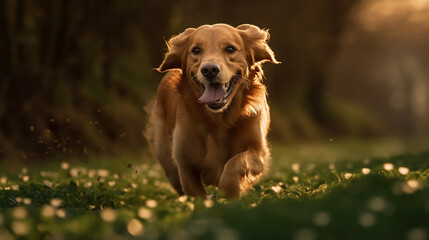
x=71, y=77
x=387, y=40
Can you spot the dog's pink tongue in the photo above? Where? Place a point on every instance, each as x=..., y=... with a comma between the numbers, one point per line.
x=212, y=93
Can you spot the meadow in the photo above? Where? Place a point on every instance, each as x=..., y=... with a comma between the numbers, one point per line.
x=337, y=189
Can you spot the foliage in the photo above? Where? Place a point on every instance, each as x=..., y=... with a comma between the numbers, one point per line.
x=313, y=192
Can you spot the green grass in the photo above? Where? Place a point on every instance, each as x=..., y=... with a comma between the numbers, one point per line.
x=334, y=190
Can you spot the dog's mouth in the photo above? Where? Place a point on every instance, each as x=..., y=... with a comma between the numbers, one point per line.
x=215, y=95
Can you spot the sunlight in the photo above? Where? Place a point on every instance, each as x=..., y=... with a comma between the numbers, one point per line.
x=208, y=203
x=151, y=203
x=92, y=173
x=347, y=175
x=295, y=167
x=65, y=165
x=20, y=228
x=375, y=14
x=56, y=202
x=108, y=215
x=276, y=189
x=414, y=184
x=48, y=183
x=408, y=187
x=295, y=179
x=135, y=227
x=61, y=213
x=191, y=205
x=388, y=166
x=144, y=213
x=103, y=172
x=19, y=213
x=366, y=171
x=418, y=4
x=182, y=198
x=403, y=170
x=47, y=211
x=74, y=172
x=3, y=180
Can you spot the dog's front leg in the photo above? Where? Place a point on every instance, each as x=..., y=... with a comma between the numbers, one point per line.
x=186, y=149
x=241, y=172
x=191, y=182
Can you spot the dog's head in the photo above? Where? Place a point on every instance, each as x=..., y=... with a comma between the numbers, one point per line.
x=218, y=59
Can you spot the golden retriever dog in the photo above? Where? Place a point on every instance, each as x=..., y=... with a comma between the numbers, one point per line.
x=209, y=122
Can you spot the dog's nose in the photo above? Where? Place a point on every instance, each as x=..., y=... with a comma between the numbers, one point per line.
x=210, y=70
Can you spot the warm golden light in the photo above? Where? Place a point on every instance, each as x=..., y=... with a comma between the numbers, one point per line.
x=418, y=4
x=144, y=213
x=151, y=203
x=61, y=213
x=56, y=202
x=19, y=212
x=108, y=215
x=65, y=165
x=47, y=211
x=388, y=166
x=20, y=228
x=376, y=14
x=135, y=227
x=403, y=170
x=366, y=171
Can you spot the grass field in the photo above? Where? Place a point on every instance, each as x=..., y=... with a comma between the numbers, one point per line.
x=341, y=189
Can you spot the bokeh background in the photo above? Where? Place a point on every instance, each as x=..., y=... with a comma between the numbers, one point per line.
x=75, y=75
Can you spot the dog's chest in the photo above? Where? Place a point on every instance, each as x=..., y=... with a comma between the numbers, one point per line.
x=217, y=152
x=215, y=144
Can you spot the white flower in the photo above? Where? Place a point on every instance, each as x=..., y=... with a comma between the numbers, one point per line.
x=151, y=203
x=403, y=170
x=388, y=166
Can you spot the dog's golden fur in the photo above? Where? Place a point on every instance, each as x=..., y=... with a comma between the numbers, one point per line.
x=195, y=144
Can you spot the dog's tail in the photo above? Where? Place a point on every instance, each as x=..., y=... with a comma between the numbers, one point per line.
x=149, y=132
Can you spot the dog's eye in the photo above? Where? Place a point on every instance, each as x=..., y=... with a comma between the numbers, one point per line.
x=230, y=49
x=196, y=50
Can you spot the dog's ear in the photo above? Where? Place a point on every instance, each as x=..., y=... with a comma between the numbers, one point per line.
x=176, y=51
x=255, y=41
